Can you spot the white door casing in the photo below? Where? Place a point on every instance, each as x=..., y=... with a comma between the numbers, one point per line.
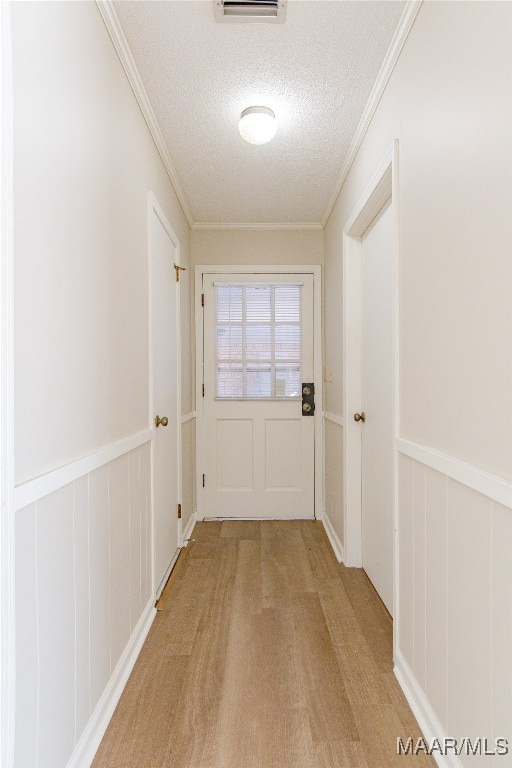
x=377, y=433
x=381, y=187
x=258, y=456
x=164, y=392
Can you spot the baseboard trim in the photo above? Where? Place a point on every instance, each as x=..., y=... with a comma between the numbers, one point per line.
x=422, y=710
x=168, y=572
x=336, y=544
x=90, y=739
x=185, y=536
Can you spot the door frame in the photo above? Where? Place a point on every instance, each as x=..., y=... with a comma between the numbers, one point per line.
x=279, y=269
x=7, y=517
x=382, y=186
x=155, y=209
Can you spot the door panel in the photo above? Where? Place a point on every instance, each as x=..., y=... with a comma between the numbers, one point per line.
x=235, y=454
x=165, y=357
x=377, y=399
x=258, y=448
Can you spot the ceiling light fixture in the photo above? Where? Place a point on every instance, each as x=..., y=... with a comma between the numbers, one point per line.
x=257, y=125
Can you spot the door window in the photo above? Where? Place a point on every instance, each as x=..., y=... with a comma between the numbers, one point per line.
x=258, y=341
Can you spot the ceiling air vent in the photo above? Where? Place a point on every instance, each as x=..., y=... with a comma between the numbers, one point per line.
x=250, y=10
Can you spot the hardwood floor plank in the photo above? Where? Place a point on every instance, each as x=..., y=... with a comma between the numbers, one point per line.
x=360, y=672
x=248, y=588
x=375, y=621
x=340, y=754
x=178, y=627
x=328, y=704
x=285, y=567
x=240, y=529
x=321, y=558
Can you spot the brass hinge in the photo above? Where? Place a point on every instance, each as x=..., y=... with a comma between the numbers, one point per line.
x=179, y=511
x=202, y=299
x=203, y=390
x=178, y=268
x=203, y=481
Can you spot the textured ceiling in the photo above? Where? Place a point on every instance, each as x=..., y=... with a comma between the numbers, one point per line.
x=316, y=72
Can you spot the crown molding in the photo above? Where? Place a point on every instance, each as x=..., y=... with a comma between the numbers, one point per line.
x=284, y=225
x=405, y=24
x=109, y=16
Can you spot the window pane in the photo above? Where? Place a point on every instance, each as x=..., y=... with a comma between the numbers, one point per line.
x=287, y=302
x=229, y=381
x=288, y=342
x=259, y=381
x=258, y=300
x=229, y=342
x=258, y=342
x=288, y=381
x=229, y=303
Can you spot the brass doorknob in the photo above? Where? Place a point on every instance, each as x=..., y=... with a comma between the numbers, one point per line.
x=360, y=416
x=163, y=421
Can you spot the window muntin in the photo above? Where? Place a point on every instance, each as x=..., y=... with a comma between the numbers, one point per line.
x=258, y=340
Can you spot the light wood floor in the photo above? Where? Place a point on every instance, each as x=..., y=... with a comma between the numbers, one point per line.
x=267, y=654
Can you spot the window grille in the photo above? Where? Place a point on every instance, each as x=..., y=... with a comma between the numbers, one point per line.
x=258, y=341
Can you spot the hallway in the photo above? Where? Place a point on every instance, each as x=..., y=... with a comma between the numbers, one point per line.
x=265, y=653
x=135, y=195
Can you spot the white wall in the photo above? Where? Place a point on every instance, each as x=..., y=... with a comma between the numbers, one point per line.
x=84, y=165
x=449, y=104
x=257, y=246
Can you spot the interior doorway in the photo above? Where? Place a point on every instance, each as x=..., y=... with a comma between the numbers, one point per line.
x=165, y=392
x=371, y=380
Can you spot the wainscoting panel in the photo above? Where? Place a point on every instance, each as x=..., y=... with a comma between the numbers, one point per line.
x=82, y=604
x=455, y=606
x=25, y=754
x=83, y=582
x=188, y=452
x=333, y=479
x=56, y=625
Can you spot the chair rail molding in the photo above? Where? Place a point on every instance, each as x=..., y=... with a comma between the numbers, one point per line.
x=334, y=418
x=41, y=486
x=494, y=487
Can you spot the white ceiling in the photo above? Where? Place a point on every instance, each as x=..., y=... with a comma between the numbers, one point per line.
x=316, y=71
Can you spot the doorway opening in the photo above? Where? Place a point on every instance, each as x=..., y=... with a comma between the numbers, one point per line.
x=370, y=321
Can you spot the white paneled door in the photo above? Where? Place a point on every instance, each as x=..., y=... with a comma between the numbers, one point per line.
x=165, y=353
x=258, y=354
x=377, y=398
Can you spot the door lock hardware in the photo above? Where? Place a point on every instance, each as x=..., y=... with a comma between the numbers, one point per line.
x=360, y=416
x=308, y=399
x=163, y=421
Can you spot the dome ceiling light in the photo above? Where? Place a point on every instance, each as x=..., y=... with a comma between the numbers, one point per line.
x=257, y=125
